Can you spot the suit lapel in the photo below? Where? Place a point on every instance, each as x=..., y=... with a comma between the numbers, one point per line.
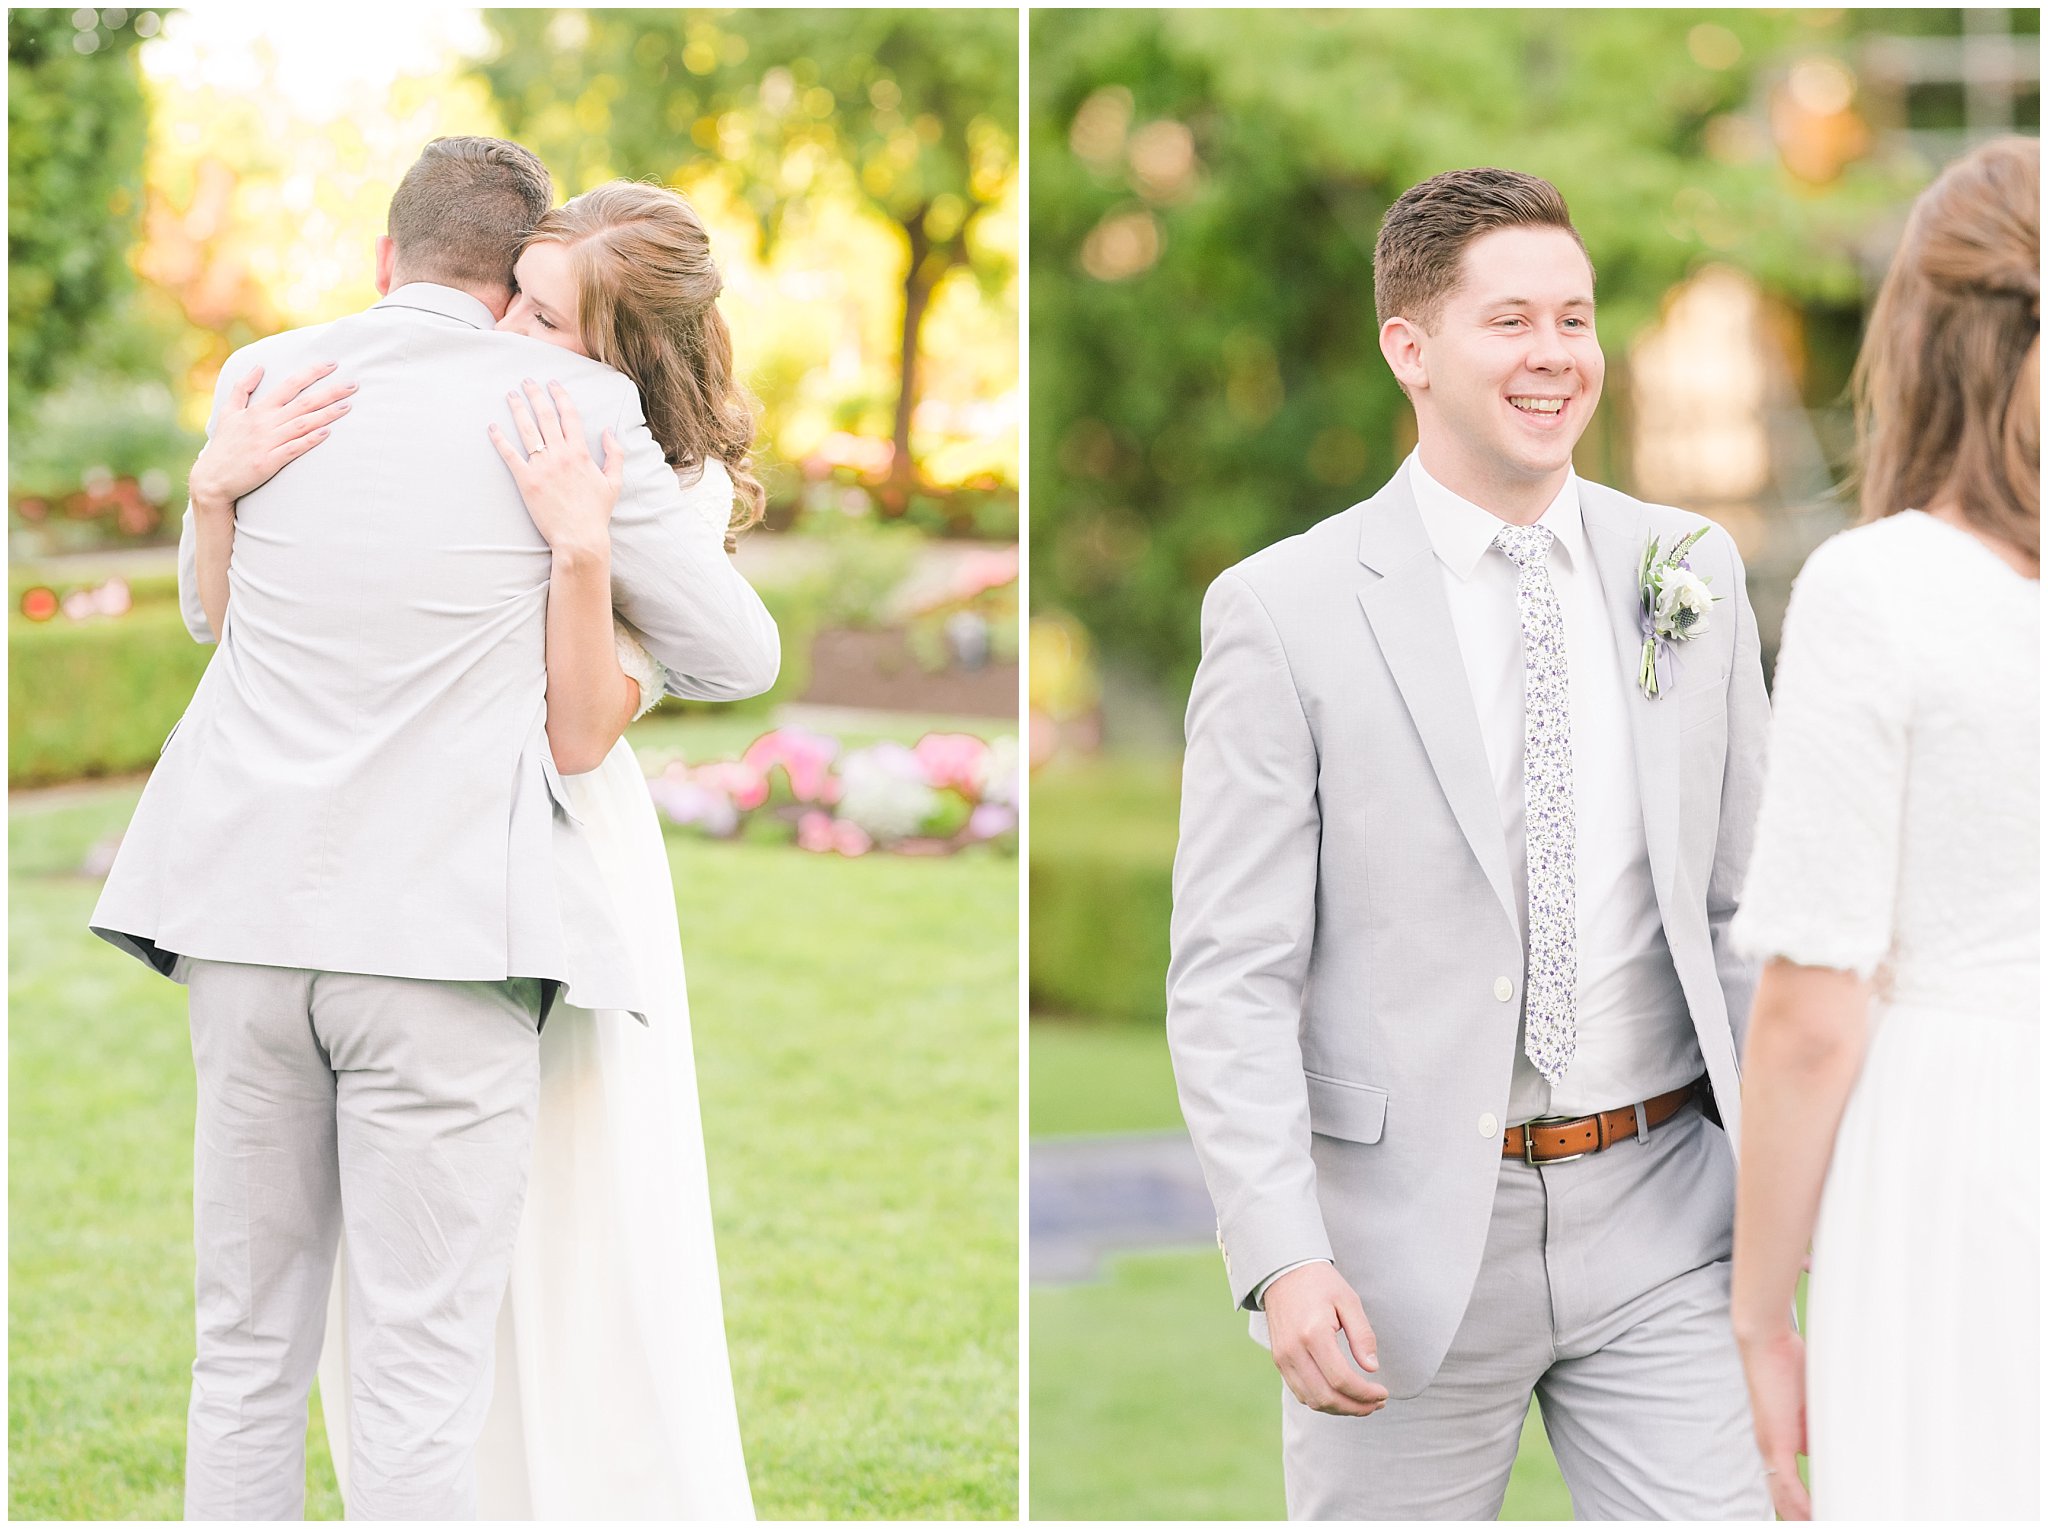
x=1616, y=534
x=1411, y=620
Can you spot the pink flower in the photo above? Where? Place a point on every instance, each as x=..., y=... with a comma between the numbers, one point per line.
x=746, y=786
x=953, y=760
x=991, y=820
x=814, y=832
x=818, y=832
x=988, y=570
x=690, y=805
x=806, y=756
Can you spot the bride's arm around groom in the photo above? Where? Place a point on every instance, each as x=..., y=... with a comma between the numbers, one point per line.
x=696, y=614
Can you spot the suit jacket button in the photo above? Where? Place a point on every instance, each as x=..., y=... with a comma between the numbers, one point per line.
x=1488, y=1126
x=1503, y=988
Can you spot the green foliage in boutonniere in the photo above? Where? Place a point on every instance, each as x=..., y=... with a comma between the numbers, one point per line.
x=1674, y=605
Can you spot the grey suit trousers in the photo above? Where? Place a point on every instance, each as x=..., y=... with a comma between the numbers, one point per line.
x=1603, y=1291
x=403, y=1109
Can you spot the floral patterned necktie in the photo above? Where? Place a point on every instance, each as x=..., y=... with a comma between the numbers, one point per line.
x=1550, y=1009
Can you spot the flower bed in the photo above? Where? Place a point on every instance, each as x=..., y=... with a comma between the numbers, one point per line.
x=947, y=792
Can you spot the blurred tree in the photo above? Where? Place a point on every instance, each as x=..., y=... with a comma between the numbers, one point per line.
x=916, y=110
x=76, y=131
x=1206, y=187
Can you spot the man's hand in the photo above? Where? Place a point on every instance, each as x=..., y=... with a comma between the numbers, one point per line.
x=1316, y=1323
x=1776, y=1367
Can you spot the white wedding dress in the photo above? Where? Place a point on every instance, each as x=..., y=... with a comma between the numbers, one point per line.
x=1900, y=838
x=613, y=1396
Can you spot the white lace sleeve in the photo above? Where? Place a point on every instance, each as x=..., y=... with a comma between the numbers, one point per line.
x=707, y=498
x=640, y=666
x=1823, y=878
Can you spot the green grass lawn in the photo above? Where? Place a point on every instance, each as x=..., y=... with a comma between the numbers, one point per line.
x=856, y=1035
x=1149, y=1401
x=1148, y=1398
x=1089, y=1078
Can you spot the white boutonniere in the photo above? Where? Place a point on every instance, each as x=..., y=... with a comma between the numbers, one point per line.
x=1675, y=605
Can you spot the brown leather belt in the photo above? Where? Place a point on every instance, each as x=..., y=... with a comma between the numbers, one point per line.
x=1559, y=1141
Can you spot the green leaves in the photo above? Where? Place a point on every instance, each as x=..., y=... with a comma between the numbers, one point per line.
x=911, y=111
x=76, y=127
x=1205, y=369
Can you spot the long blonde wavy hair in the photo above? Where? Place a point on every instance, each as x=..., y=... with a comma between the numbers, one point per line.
x=647, y=296
x=1948, y=387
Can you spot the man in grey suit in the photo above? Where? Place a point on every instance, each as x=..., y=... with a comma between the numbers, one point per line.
x=357, y=852
x=1451, y=1002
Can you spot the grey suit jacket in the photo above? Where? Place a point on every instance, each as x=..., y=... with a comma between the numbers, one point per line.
x=362, y=780
x=1344, y=919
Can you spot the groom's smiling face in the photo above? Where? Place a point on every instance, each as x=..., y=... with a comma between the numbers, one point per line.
x=1507, y=377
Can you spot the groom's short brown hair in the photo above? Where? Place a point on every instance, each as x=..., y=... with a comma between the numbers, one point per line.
x=462, y=210
x=1418, y=258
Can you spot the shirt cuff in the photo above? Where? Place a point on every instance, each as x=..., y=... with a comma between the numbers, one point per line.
x=1256, y=1301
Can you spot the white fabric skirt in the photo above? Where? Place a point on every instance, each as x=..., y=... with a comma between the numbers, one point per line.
x=1924, y=1305
x=613, y=1395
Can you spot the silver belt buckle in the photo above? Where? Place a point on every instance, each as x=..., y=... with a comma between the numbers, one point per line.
x=1529, y=1141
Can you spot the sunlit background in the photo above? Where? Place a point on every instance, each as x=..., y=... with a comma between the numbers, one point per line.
x=184, y=182
x=843, y=848
x=1205, y=190
x=271, y=152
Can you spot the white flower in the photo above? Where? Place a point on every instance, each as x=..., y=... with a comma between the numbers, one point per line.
x=999, y=775
x=1683, y=603
x=882, y=788
x=1674, y=604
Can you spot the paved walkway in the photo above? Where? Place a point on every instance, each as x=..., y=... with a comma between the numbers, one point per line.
x=28, y=799
x=1096, y=1195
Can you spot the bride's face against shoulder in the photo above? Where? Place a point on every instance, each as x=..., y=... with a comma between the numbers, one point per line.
x=544, y=303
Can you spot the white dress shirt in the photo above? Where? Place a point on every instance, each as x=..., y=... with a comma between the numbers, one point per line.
x=1635, y=1038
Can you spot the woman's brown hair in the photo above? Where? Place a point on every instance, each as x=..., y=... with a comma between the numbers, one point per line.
x=647, y=293
x=1948, y=386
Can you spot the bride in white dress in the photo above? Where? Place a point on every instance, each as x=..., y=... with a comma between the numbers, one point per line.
x=1891, y=1086
x=612, y=1393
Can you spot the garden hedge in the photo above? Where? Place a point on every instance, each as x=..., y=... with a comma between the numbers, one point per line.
x=1102, y=842
x=96, y=697
x=99, y=697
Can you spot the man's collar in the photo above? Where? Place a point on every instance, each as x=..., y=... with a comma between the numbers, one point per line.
x=1461, y=531
x=449, y=303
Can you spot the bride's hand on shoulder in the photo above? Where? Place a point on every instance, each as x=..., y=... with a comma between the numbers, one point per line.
x=569, y=496
x=255, y=437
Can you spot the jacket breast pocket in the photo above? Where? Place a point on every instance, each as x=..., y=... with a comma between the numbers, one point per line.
x=1347, y=1111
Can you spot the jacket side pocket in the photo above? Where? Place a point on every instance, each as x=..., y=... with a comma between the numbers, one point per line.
x=1348, y=1111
